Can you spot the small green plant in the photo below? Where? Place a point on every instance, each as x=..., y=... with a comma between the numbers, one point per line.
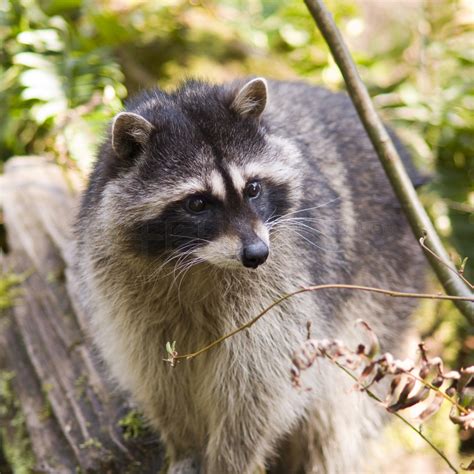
x=13, y=430
x=133, y=425
x=91, y=443
x=9, y=289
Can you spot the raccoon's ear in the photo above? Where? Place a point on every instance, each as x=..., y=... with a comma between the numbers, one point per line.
x=129, y=133
x=250, y=101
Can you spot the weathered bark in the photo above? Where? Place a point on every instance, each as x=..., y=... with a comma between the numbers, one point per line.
x=45, y=342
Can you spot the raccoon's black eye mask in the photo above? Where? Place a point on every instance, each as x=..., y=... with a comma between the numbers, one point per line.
x=199, y=218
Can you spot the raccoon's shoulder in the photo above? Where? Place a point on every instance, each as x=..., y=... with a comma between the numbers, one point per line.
x=298, y=109
x=311, y=113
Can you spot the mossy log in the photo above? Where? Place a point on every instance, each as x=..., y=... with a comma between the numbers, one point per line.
x=71, y=409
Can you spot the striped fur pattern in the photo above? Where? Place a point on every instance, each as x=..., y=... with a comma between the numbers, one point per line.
x=184, y=183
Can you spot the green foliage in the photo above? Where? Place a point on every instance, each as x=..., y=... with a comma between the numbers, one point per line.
x=13, y=431
x=133, y=425
x=8, y=289
x=50, y=66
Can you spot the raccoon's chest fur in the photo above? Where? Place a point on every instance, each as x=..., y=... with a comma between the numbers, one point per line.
x=133, y=333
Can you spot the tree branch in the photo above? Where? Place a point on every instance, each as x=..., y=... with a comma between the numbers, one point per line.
x=416, y=214
x=174, y=357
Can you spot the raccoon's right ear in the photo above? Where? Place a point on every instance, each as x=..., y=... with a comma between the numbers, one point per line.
x=130, y=132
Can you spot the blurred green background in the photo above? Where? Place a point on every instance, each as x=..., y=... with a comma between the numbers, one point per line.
x=66, y=66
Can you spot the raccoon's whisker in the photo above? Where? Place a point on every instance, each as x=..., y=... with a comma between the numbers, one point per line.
x=184, y=270
x=181, y=263
x=194, y=239
x=179, y=266
x=312, y=243
x=297, y=223
x=176, y=254
x=299, y=211
x=168, y=260
x=291, y=216
x=302, y=220
x=283, y=220
x=310, y=228
x=310, y=219
x=268, y=220
x=297, y=230
x=183, y=250
x=286, y=216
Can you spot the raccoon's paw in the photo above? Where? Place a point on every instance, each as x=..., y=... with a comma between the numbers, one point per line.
x=184, y=466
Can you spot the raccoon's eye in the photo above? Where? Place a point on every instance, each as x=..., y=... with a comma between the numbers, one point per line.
x=195, y=204
x=253, y=189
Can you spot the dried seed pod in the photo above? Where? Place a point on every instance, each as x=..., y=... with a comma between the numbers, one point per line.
x=434, y=406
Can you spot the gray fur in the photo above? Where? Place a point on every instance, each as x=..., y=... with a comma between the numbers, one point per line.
x=233, y=409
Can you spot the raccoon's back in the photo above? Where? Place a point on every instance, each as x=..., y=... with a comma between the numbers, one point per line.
x=340, y=163
x=361, y=234
x=315, y=116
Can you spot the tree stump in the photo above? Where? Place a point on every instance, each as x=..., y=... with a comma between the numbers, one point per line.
x=75, y=418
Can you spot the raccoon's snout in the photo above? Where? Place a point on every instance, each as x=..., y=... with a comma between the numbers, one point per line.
x=254, y=254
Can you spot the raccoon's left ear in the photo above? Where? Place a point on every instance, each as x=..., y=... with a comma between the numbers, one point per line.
x=251, y=100
x=130, y=132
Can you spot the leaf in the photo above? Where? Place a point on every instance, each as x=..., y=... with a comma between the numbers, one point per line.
x=32, y=60
x=432, y=408
x=40, y=84
x=466, y=375
x=403, y=397
x=44, y=39
x=43, y=111
x=374, y=348
x=170, y=347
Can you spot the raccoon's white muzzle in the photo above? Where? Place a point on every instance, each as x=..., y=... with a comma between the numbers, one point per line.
x=232, y=251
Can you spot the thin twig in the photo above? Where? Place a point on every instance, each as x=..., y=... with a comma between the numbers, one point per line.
x=414, y=428
x=456, y=271
x=388, y=155
x=395, y=294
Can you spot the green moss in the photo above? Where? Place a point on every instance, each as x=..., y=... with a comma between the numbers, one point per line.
x=6, y=395
x=46, y=411
x=91, y=443
x=9, y=289
x=81, y=384
x=133, y=425
x=13, y=431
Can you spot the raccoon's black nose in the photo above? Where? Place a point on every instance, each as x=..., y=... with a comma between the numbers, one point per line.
x=254, y=254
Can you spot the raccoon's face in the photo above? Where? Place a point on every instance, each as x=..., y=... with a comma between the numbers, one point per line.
x=206, y=183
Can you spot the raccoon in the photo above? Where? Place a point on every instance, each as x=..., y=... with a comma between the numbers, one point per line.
x=205, y=205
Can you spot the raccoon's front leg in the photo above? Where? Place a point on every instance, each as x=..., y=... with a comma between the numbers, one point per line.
x=239, y=445
x=188, y=465
x=182, y=461
x=232, y=455
x=183, y=453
